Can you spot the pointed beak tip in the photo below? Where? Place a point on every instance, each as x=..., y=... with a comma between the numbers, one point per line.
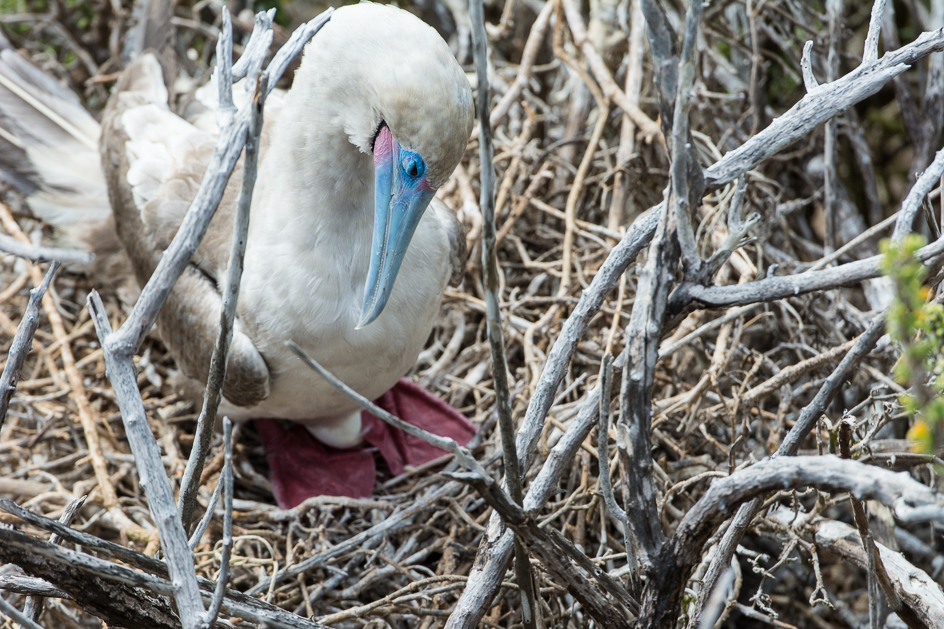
x=367, y=317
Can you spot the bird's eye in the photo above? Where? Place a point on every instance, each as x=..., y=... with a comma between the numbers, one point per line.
x=413, y=165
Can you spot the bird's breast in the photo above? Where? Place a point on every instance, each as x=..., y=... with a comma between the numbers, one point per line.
x=314, y=299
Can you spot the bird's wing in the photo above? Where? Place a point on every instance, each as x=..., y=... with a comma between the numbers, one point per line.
x=153, y=162
x=48, y=144
x=455, y=232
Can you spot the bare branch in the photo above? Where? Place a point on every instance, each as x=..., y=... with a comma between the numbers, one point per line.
x=820, y=105
x=806, y=65
x=22, y=342
x=920, y=594
x=490, y=280
x=922, y=188
x=251, y=58
x=211, y=399
x=147, y=455
x=834, y=10
x=11, y=611
x=227, y=480
x=826, y=473
x=463, y=456
x=30, y=586
x=205, y=520
x=870, y=53
x=223, y=72
x=39, y=253
x=234, y=601
x=34, y=604
x=687, y=178
x=112, y=589
x=779, y=287
x=603, y=432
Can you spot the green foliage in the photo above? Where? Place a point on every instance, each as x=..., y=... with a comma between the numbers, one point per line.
x=918, y=326
x=281, y=17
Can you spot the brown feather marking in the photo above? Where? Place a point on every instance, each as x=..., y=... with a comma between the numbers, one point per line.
x=189, y=320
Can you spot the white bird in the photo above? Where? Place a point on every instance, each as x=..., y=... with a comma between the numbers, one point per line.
x=378, y=117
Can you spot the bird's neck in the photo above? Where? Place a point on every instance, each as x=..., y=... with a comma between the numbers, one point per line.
x=316, y=188
x=312, y=218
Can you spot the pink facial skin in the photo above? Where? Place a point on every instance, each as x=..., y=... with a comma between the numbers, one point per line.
x=383, y=147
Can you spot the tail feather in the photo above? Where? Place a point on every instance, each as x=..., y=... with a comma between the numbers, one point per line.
x=48, y=145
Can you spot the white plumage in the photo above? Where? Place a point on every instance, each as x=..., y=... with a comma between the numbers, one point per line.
x=312, y=216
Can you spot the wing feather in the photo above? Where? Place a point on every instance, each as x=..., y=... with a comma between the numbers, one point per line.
x=154, y=162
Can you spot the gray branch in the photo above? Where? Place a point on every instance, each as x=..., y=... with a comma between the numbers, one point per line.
x=34, y=604
x=777, y=287
x=870, y=52
x=235, y=600
x=463, y=456
x=826, y=473
x=22, y=342
x=913, y=202
x=122, y=596
x=506, y=425
x=30, y=586
x=39, y=253
x=820, y=105
x=227, y=479
x=190, y=482
x=205, y=520
x=147, y=455
x=17, y=615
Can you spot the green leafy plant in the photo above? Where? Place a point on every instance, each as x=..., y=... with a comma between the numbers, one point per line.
x=918, y=326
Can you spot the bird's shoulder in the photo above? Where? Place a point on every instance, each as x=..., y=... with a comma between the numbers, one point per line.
x=157, y=159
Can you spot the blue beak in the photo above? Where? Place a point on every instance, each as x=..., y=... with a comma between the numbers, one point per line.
x=401, y=195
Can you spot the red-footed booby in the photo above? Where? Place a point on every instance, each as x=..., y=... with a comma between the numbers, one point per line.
x=348, y=252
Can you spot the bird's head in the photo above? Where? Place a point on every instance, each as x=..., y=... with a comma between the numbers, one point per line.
x=401, y=98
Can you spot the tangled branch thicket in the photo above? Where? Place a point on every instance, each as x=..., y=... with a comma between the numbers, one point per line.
x=770, y=343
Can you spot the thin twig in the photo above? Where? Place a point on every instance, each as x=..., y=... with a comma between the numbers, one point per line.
x=207, y=516
x=490, y=280
x=834, y=10
x=463, y=456
x=34, y=604
x=211, y=399
x=227, y=479
x=22, y=342
x=39, y=253
x=17, y=615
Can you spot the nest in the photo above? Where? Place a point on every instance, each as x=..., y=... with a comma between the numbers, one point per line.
x=573, y=173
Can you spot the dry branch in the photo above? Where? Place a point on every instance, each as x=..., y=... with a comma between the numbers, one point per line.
x=826, y=473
